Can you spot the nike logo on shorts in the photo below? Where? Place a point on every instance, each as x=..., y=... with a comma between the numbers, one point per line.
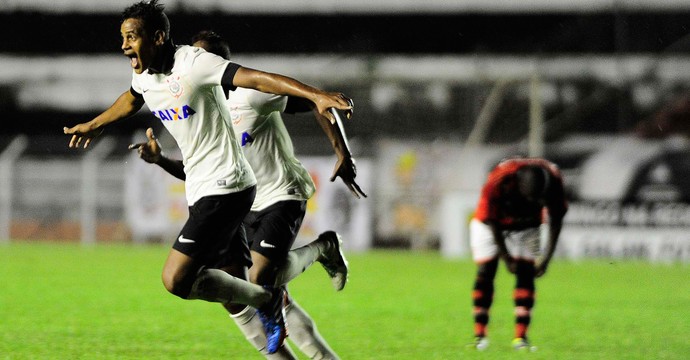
x=184, y=240
x=264, y=244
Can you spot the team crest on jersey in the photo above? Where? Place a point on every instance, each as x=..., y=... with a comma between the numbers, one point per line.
x=175, y=87
x=235, y=116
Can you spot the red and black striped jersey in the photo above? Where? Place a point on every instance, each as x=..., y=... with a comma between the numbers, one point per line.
x=500, y=201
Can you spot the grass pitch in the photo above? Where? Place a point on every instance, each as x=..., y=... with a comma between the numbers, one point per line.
x=66, y=301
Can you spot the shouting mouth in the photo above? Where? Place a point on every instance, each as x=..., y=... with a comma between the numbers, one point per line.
x=133, y=60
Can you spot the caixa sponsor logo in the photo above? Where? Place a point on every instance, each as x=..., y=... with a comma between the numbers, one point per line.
x=174, y=114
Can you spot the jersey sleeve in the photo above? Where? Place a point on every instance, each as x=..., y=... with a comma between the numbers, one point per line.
x=135, y=93
x=486, y=207
x=209, y=70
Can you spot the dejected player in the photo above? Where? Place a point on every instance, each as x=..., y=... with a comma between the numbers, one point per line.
x=519, y=195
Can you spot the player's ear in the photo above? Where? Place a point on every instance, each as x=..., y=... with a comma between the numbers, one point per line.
x=159, y=37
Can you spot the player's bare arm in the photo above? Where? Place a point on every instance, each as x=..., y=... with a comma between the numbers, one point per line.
x=283, y=85
x=150, y=151
x=125, y=106
x=345, y=166
x=554, y=232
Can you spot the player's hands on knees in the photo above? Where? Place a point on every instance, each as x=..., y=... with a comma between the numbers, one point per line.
x=82, y=134
x=345, y=169
x=149, y=151
x=540, y=267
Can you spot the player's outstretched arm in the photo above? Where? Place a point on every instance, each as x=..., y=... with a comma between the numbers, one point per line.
x=150, y=151
x=125, y=106
x=283, y=85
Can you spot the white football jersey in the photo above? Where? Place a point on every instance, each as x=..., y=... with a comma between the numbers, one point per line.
x=267, y=145
x=189, y=102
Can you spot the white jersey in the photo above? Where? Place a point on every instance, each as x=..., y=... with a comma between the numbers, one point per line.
x=189, y=102
x=268, y=147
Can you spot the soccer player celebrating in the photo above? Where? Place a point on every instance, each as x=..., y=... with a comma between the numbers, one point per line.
x=519, y=195
x=185, y=88
x=283, y=187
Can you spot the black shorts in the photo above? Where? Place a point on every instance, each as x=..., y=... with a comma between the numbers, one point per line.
x=272, y=231
x=213, y=235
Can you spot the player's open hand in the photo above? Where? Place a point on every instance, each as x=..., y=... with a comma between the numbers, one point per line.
x=345, y=169
x=82, y=134
x=328, y=100
x=149, y=151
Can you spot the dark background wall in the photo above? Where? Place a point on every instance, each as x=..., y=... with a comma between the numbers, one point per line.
x=374, y=34
x=544, y=34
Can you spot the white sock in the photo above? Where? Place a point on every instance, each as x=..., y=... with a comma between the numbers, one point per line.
x=299, y=260
x=250, y=325
x=305, y=335
x=218, y=286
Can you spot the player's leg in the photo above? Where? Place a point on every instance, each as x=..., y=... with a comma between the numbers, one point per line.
x=185, y=278
x=212, y=236
x=261, y=272
x=525, y=246
x=249, y=324
x=272, y=232
x=191, y=270
x=523, y=297
x=326, y=249
x=485, y=255
x=252, y=328
x=304, y=333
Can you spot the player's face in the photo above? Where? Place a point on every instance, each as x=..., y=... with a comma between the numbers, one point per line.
x=138, y=46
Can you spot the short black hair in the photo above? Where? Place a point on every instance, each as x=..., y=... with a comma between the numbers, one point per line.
x=151, y=13
x=216, y=44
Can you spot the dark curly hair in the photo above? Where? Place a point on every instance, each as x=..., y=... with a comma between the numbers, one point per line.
x=215, y=43
x=152, y=15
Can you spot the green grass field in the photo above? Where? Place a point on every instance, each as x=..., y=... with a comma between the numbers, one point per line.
x=65, y=301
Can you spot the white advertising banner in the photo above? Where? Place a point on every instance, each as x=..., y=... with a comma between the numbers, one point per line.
x=649, y=244
x=655, y=231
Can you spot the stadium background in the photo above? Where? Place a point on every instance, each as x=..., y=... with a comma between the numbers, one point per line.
x=443, y=90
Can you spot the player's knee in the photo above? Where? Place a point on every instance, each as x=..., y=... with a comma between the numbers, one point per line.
x=487, y=271
x=176, y=285
x=265, y=274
